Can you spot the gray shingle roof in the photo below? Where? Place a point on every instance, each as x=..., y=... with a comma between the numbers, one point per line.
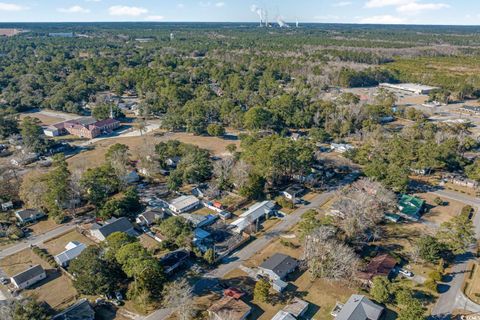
x=28, y=274
x=280, y=263
x=359, y=307
x=119, y=225
x=82, y=310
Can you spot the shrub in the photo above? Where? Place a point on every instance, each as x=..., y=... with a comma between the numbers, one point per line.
x=284, y=203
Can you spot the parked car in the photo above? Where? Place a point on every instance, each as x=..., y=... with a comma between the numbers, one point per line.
x=117, y=302
x=4, y=280
x=118, y=295
x=406, y=273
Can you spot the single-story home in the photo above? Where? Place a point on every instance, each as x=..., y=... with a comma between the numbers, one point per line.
x=410, y=207
x=297, y=307
x=183, y=204
x=150, y=216
x=72, y=250
x=198, y=220
x=29, y=215
x=28, y=277
x=341, y=147
x=7, y=206
x=292, y=192
x=101, y=232
x=380, y=266
x=357, y=307
x=81, y=310
x=252, y=215
x=229, y=308
x=283, y=315
x=174, y=260
x=278, y=266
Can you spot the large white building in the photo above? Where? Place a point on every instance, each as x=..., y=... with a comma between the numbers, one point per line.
x=409, y=87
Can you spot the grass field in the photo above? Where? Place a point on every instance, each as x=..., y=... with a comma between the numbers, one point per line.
x=56, y=290
x=95, y=157
x=57, y=245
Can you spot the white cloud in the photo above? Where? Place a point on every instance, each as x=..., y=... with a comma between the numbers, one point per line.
x=342, y=4
x=406, y=6
x=11, y=7
x=220, y=4
x=154, y=18
x=415, y=7
x=74, y=9
x=126, y=11
x=386, y=3
x=180, y=6
x=383, y=19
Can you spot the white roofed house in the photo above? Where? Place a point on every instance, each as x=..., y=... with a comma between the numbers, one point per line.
x=253, y=215
x=28, y=277
x=183, y=204
x=72, y=250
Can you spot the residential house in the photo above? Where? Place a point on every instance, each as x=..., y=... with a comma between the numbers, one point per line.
x=283, y=315
x=410, y=207
x=198, y=220
x=150, y=216
x=278, y=266
x=183, y=204
x=51, y=131
x=341, y=147
x=358, y=307
x=72, y=250
x=292, y=192
x=29, y=215
x=380, y=266
x=101, y=232
x=81, y=310
x=7, y=206
x=229, y=308
x=174, y=260
x=253, y=215
x=297, y=307
x=28, y=277
x=24, y=159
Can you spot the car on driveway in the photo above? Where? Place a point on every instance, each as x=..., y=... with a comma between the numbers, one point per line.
x=406, y=273
x=4, y=280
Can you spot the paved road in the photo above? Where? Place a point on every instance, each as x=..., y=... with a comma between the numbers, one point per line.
x=36, y=240
x=453, y=298
x=234, y=261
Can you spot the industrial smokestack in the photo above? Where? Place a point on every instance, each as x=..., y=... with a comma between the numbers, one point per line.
x=259, y=12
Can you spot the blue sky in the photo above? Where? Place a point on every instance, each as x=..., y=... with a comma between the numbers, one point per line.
x=336, y=11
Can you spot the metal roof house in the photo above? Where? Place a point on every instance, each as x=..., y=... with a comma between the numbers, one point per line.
x=183, y=204
x=410, y=207
x=81, y=310
x=112, y=225
x=28, y=277
x=252, y=215
x=278, y=266
x=72, y=250
x=357, y=307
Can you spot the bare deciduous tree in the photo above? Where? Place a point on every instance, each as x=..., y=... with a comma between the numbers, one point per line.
x=179, y=297
x=328, y=258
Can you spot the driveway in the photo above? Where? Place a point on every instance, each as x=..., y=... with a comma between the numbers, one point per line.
x=452, y=296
